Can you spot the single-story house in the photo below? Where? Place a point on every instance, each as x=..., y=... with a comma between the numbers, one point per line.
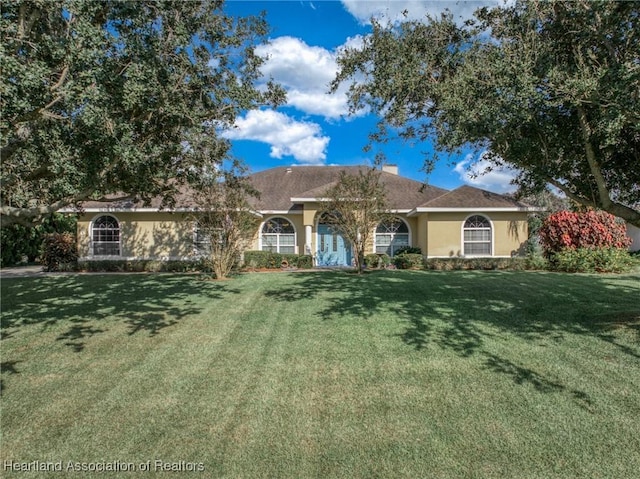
x=466, y=221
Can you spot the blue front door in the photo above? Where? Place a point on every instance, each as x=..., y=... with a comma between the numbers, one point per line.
x=333, y=249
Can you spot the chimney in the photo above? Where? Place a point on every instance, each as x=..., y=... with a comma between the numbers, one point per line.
x=393, y=169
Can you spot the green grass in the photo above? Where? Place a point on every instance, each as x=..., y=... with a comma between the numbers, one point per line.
x=391, y=374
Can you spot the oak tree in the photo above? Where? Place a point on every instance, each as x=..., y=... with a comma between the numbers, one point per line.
x=551, y=88
x=103, y=98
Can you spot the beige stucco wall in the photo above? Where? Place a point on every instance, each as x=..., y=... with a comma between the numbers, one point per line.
x=444, y=233
x=144, y=235
x=170, y=235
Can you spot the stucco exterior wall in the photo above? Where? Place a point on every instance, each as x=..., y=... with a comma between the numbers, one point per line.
x=444, y=233
x=170, y=235
x=144, y=235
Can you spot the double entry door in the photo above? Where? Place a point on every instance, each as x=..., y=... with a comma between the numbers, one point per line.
x=333, y=249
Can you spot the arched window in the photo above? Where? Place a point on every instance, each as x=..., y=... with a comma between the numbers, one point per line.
x=477, y=236
x=105, y=236
x=391, y=235
x=278, y=236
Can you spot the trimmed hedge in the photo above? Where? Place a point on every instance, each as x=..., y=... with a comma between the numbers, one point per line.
x=142, y=266
x=377, y=260
x=488, y=264
x=408, y=261
x=269, y=260
x=409, y=249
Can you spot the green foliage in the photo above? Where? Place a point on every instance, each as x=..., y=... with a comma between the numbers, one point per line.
x=100, y=98
x=377, y=260
x=592, y=260
x=560, y=108
x=409, y=249
x=59, y=252
x=19, y=242
x=305, y=261
x=408, y=261
x=142, y=266
x=269, y=260
x=459, y=264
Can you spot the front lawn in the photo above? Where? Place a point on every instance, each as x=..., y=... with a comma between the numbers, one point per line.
x=323, y=374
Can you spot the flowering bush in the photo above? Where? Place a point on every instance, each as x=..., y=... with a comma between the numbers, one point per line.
x=592, y=229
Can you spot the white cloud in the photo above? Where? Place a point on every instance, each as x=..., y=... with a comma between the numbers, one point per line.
x=288, y=137
x=397, y=10
x=482, y=173
x=306, y=73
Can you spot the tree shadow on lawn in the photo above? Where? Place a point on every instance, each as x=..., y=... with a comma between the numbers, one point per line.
x=7, y=367
x=459, y=310
x=146, y=303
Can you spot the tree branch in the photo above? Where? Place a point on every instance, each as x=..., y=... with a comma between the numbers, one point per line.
x=11, y=215
x=604, y=198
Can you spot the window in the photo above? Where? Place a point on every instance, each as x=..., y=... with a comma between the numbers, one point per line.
x=278, y=236
x=105, y=236
x=477, y=236
x=391, y=235
x=201, y=241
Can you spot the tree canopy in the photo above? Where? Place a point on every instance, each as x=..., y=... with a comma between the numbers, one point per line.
x=551, y=88
x=115, y=97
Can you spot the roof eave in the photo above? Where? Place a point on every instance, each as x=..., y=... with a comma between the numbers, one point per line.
x=141, y=210
x=494, y=209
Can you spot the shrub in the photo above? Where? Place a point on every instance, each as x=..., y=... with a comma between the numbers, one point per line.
x=139, y=266
x=305, y=261
x=408, y=249
x=59, y=252
x=20, y=243
x=377, y=260
x=592, y=260
x=408, y=261
x=451, y=264
x=269, y=260
x=567, y=230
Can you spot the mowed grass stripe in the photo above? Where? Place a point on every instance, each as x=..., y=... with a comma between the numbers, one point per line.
x=393, y=374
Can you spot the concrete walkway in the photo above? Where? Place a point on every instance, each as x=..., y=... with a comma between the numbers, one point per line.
x=21, y=272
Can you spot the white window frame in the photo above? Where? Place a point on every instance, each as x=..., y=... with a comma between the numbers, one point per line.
x=278, y=236
x=92, y=240
x=393, y=235
x=491, y=230
x=200, y=246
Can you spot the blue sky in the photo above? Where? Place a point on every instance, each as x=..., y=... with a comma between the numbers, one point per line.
x=314, y=128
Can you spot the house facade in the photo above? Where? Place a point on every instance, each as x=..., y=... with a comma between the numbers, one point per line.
x=467, y=221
